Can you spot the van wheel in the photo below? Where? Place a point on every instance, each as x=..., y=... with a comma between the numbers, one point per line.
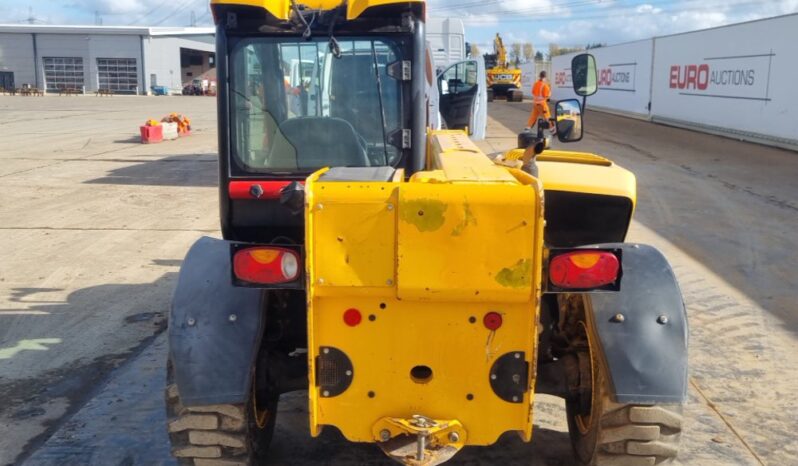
x=218, y=434
x=606, y=433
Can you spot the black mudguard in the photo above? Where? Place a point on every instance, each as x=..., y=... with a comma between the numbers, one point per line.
x=214, y=328
x=646, y=354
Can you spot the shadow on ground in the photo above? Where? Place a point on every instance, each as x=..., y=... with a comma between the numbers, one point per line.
x=124, y=423
x=189, y=170
x=292, y=445
x=139, y=315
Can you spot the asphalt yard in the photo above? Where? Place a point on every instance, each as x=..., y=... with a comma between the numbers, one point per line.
x=94, y=225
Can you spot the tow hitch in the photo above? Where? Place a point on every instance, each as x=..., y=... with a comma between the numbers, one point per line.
x=419, y=441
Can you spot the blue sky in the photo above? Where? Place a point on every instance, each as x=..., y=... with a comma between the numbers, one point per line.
x=565, y=22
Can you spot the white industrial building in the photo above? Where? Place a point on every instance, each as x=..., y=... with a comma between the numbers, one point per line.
x=119, y=59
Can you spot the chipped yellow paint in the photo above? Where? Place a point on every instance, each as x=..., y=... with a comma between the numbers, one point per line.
x=418, y=281
x=425, y=214
x=517, y=275
x=468, y=219
x=439, y=265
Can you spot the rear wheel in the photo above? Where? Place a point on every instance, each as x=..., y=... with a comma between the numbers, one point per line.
x=515, y=95
x=606, y=433
x=490, y=95
x=219, y=435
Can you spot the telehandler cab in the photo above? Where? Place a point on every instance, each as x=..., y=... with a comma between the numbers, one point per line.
x=419, y=291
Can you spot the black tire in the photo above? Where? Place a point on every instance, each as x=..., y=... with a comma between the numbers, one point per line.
x=619, y=434
x=490, y=95
x=217, y=435
x=516, y=95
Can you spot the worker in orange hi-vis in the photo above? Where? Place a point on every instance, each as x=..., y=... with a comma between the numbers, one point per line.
x=541, y=92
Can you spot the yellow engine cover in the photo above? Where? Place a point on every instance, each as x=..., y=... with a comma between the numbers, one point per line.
x=423, y=262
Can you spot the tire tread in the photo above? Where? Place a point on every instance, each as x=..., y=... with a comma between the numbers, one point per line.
x=226, y=444
x=632, y=435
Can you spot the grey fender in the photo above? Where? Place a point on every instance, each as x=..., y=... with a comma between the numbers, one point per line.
x=214, y=328
x=645, y=352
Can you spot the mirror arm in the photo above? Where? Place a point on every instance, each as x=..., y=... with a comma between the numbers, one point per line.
x=584, y=106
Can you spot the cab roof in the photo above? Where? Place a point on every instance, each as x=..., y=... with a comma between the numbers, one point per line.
x=281, y=9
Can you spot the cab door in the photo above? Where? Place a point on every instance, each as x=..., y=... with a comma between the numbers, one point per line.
x=462, y=97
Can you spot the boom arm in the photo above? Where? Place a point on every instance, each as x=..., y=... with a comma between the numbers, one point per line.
x=501, y=52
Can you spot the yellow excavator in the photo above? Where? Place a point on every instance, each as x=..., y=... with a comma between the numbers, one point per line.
x=503, y=81
x=419, y=292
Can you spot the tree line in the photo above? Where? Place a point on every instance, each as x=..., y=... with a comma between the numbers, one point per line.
x=525, y=52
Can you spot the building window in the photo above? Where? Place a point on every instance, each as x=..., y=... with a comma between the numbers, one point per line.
x=63, y=73
x=118, y=74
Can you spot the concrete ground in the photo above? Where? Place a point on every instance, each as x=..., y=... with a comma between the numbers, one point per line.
x=93, y=227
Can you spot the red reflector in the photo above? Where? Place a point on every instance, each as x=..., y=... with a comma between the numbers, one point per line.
x=256, y=189
x=584, y=269
x=352, y=317
x=266, y=265
x=492, y=320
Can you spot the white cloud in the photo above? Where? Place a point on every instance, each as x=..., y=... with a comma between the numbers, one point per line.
x=606, y=3
x=647, y=8
x=609, y=21
x=481, y=19
x=112, y=12
x=475, y=13
x=549, y=36
x=114, y=7
x=646, y=20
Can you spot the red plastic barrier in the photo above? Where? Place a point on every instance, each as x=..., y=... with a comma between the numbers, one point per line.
x=151, y=134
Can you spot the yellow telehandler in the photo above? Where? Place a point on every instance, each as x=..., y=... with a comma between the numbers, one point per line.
x=420, y=292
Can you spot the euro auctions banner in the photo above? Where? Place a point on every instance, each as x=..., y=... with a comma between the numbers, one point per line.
x=560, y=81
x=624, y=73
x=741, y=78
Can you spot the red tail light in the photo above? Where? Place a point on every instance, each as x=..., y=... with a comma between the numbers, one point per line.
x=584, y=269
x=266, y=265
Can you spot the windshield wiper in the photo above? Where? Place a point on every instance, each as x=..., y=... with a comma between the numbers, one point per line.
x=382, y=108
x=245, y=97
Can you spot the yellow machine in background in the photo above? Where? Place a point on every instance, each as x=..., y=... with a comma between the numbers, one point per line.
x=503, y=81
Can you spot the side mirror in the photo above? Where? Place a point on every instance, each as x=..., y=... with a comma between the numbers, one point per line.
x=584, y=74
x=569, y=120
